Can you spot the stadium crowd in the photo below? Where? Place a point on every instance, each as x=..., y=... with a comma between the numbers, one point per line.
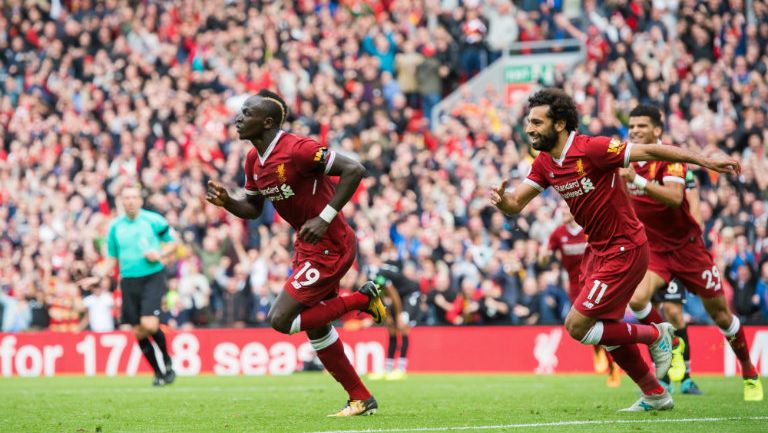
x=95, y=95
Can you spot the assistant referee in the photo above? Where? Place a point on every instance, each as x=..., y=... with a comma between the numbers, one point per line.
x=138, y=241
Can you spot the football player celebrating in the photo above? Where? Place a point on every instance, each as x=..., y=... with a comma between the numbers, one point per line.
x=582, y=169
x=676, y=245
x=292, y=172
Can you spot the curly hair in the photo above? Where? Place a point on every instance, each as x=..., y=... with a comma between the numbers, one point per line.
x=561, y=106
x=650, y=111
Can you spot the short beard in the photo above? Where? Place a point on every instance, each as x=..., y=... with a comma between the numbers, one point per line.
x=546, y=142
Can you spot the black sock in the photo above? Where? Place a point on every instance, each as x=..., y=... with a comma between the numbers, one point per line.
x=159, y=338
x=392, y=348
x=149, y=354
x=404, y=346
x=683, y=335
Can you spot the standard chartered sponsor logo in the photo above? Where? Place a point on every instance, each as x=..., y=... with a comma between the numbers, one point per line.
x=277, y=193
x=575, y=188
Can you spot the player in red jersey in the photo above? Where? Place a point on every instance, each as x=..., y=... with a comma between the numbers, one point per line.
x=292, y=172
x=677, y=248
x=582, y=169
x=568, y=242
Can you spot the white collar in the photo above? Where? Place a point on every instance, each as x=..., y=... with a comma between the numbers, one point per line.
x=573, y=230
x=559, y=161
x=263, y=159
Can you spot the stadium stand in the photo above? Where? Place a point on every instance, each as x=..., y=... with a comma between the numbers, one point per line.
x=98, y=94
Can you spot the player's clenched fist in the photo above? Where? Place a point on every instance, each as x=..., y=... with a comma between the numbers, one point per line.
x=216, y=194
x=722, y=163
x=627, y=174
x=500, y=199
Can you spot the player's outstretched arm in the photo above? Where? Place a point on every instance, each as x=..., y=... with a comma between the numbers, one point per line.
x=670, y=194
x=512, y=202
x=247, y=207
x=720, y=163
x=350, y=174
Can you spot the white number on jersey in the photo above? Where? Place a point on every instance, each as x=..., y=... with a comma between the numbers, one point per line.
x=712, y=277
x=311, y=277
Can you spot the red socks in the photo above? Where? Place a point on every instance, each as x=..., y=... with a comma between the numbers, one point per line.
x=628, y=358
x=652, y=317
x=620, y=334
x=326, y=312
x=336, y=362
x=740, y=347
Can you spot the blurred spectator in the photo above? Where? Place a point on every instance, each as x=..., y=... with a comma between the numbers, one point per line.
x=527, y=310
x=98, y=307
x=93, y=97
x=17, y=315
x=194, y=294
x=494, y=310
x=762, y=291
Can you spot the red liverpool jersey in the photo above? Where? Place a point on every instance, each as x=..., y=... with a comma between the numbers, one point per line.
x=292, y=175
x=586, y=177
x=668, y=229
x=571, y=243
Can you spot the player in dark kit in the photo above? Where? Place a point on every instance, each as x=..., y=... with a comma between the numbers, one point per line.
x=292, y=172
x=582, y=169
x=402, y=296
x=677, y=248
x=569, y=242
x=138, y=241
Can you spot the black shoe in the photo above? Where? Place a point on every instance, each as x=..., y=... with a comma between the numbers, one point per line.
x=375, y=307
x=169, y=375
x=158, y=381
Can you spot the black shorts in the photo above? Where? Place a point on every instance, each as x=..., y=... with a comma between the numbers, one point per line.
x=409, y=303
x=673, y=292
x=142, y=296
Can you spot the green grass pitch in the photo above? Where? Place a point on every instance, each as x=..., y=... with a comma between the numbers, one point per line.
x=420, y=403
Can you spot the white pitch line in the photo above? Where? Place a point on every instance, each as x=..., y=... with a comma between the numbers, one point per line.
x=549, y=424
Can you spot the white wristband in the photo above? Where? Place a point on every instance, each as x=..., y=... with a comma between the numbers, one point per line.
x=328, y=214
x=640, y=181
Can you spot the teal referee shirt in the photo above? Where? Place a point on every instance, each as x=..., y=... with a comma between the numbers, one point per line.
x=128, y=240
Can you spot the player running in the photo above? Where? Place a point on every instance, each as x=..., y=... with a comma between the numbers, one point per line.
x=568, y=242
x=582, y=169
x=677, y=248
x=671, y=299
x=292, y=172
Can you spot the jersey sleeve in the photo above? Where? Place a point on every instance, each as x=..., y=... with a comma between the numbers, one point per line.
x=674, y=172
x=112, y=250
x=161, y=227
x=608, y=153
x=310, y=157
x=250, y=180
x=554, y=241
x=536, y=178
